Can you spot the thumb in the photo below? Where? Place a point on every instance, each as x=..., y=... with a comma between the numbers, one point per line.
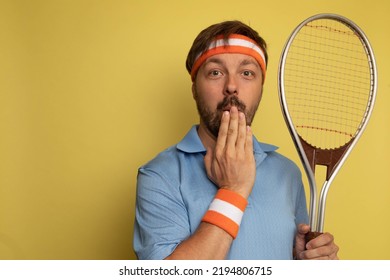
x=207, y=161
x=300, y=242
x=303, y=229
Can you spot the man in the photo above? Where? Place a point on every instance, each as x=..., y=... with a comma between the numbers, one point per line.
x=219, y=193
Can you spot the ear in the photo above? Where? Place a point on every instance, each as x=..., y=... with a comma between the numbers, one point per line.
x=193, y=88
x=261, y=93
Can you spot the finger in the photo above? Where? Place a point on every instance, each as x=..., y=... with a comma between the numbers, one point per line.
x=321, y=240
x=335, y=250
x=233, y=129
x=321, y=247
x=312, y=255
x=334, y=256
x=324, y=252
x=249, y=141
x=242, y=132
x=223, y=130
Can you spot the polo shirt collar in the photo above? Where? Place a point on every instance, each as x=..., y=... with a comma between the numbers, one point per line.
x=191, y=143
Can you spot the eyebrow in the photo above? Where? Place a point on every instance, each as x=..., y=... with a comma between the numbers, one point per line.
x=250, y=61
x=214, y=60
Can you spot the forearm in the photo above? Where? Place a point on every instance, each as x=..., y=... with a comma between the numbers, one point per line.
x=208, y=242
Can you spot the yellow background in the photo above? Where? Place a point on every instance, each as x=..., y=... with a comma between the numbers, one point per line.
x=90, y=90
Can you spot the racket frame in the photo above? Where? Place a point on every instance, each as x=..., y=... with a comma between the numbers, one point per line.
x=316, y=220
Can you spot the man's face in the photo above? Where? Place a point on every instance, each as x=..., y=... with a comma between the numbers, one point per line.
x=227, y=80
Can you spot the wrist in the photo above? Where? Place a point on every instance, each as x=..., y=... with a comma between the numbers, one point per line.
x=244, y=192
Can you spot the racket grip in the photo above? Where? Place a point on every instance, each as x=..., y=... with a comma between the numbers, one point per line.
x=311, y=235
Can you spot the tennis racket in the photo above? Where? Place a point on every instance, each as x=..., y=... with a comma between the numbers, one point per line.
x=327, y=81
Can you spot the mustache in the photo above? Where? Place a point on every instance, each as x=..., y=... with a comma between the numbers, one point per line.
x=230, y=101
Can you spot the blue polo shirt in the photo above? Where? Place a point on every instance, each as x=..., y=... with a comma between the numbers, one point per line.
x=174, y=192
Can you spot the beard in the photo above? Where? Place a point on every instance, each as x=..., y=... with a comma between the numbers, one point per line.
x=212, y=118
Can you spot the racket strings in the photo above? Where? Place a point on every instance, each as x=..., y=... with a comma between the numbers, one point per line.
x=360, y=100
x=327, y=83
x=336, y=73
x=336, y=121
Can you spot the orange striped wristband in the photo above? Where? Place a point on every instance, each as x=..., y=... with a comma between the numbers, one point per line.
x=226, y=211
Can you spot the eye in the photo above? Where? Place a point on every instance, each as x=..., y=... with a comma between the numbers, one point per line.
x=215, y=73
x=248, y=73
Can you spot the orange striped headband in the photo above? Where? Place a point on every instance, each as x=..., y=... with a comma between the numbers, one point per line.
x=236, y=43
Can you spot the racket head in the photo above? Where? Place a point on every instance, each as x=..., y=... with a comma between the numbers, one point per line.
x=327, y=82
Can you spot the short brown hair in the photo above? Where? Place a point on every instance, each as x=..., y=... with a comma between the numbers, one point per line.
x=226, y=28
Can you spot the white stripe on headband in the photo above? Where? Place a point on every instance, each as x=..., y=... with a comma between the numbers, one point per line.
x=234, y=42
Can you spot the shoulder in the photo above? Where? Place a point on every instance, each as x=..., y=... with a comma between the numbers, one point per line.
x=282, y=160
x=276, y=160
x=170, y=160
x=163, y=162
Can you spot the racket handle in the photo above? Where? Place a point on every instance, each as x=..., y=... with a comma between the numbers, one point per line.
x=311, y=235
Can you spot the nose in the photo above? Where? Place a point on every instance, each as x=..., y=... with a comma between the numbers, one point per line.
x=231, y=86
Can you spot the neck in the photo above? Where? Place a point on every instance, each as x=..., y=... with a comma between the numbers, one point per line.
x=207, y=138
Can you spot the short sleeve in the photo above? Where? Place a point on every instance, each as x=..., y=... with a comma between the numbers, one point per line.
x=301, y=207
x=161, y=220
